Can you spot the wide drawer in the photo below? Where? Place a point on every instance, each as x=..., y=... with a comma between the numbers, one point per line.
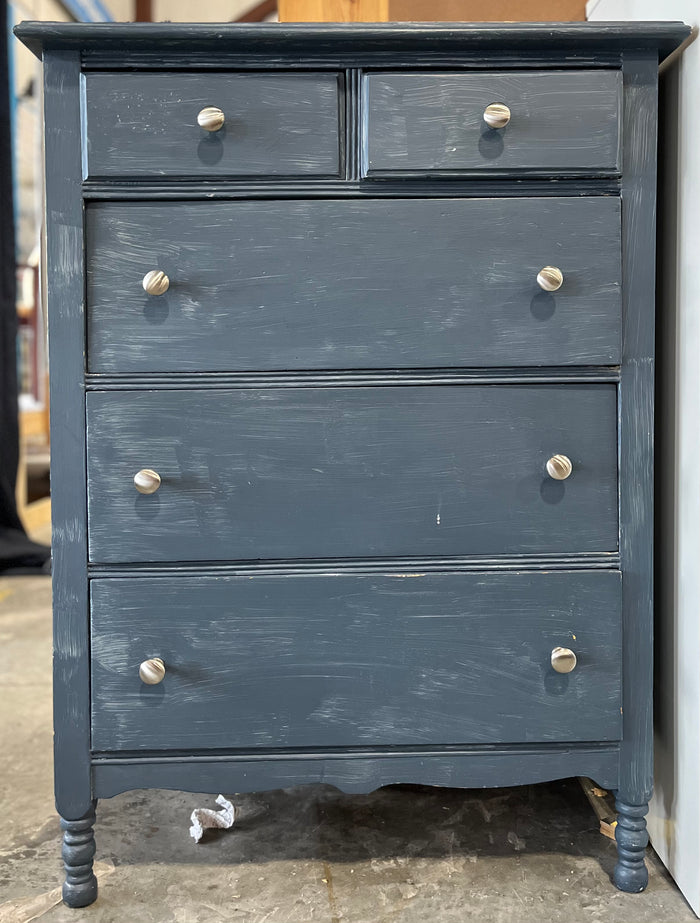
x=433, y=123
x=349, y=660
x=345, y=472
x=353, y=284
x=145, y=124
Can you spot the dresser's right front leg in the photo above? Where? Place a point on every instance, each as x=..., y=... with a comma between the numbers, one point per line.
x=631, y=834
x=80, y=886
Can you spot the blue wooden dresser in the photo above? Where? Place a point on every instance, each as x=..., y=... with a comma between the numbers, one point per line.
x=352, y=359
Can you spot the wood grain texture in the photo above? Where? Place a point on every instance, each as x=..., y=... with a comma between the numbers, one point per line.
x=66, y=310
x=338, y=661
x=312, y=472
x=333, y=10
x=495, y=11
x=434, y=122
x=145, y=125
x=355, y=772
x=353, y=284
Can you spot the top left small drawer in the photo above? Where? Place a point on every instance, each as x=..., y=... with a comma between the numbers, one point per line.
x=145, y=125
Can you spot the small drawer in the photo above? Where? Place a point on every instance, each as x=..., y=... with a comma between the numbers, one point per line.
x=351, y=660
x=337, y=284
x=323, y=472
x=146, y=125
x=435, y=123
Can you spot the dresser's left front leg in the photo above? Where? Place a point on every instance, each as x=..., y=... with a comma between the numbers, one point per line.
x=631, y=834
x=80, y=886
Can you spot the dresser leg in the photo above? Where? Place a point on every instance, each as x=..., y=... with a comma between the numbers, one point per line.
x=80, y=886
x=631, y=834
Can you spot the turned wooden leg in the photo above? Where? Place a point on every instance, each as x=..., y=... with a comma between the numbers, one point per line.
x=80, y=886
x=631, y=834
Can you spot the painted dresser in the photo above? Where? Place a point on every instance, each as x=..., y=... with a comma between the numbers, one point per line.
x=352, y=350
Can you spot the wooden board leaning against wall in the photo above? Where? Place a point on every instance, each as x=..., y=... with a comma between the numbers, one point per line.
x=431, y=11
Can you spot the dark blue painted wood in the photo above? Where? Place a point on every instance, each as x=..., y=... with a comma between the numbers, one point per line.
x=78, y=849
x=338, y=661
x=583, y=410
x=486, y=185
x=636, y=426
x=416, y=43
x=357, y=772
x=65, y=297
x=341, y=472
x=145, y=125
x=350, y=285
x=432, y=123
x=64, y=216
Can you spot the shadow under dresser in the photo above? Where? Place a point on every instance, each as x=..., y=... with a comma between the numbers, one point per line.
x=352, y=345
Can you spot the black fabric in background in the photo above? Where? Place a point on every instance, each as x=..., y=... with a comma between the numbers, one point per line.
x=17, y=553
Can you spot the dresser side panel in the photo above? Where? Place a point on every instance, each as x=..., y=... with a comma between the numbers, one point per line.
x=65, y=293
x=636, y=426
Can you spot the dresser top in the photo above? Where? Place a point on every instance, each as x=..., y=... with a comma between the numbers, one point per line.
x=364, y=39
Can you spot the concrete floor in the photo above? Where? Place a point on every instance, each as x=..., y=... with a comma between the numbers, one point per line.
x=404, y=854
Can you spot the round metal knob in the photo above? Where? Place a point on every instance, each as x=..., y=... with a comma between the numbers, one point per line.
x=156, y=282
x=152, y=671
x=497, y=115
x=563, y=660
x=550, y=279
x=211, y=118
x=559, y=467
x=147, y=481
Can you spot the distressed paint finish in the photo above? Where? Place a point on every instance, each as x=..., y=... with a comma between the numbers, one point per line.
x=206, y=45
x=431, y=123
x=342, y=661
x=145, y=125
x=65, y=298
x=353, y=284
x=352, y=771
x=341, y=472
x=121, y=398
x=636, y=411
x=64, y=218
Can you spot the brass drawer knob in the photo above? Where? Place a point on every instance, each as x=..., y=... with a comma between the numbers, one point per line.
x=563, y=659
x=147, y=481
x=559, y=467
x=211, y=118
x=156, y=282
x=152, y=671
x=550, y=279
x=497, y=115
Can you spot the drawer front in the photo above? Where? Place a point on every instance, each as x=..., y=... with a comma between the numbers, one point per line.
x=428, y=123
x=353, y=284
x=349, y=660
x=145, y=125
x=351, y=472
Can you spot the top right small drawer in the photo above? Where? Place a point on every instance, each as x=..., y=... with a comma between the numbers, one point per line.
x=529, y=122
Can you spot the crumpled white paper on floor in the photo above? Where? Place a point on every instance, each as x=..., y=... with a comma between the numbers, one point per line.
x=205, y=818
